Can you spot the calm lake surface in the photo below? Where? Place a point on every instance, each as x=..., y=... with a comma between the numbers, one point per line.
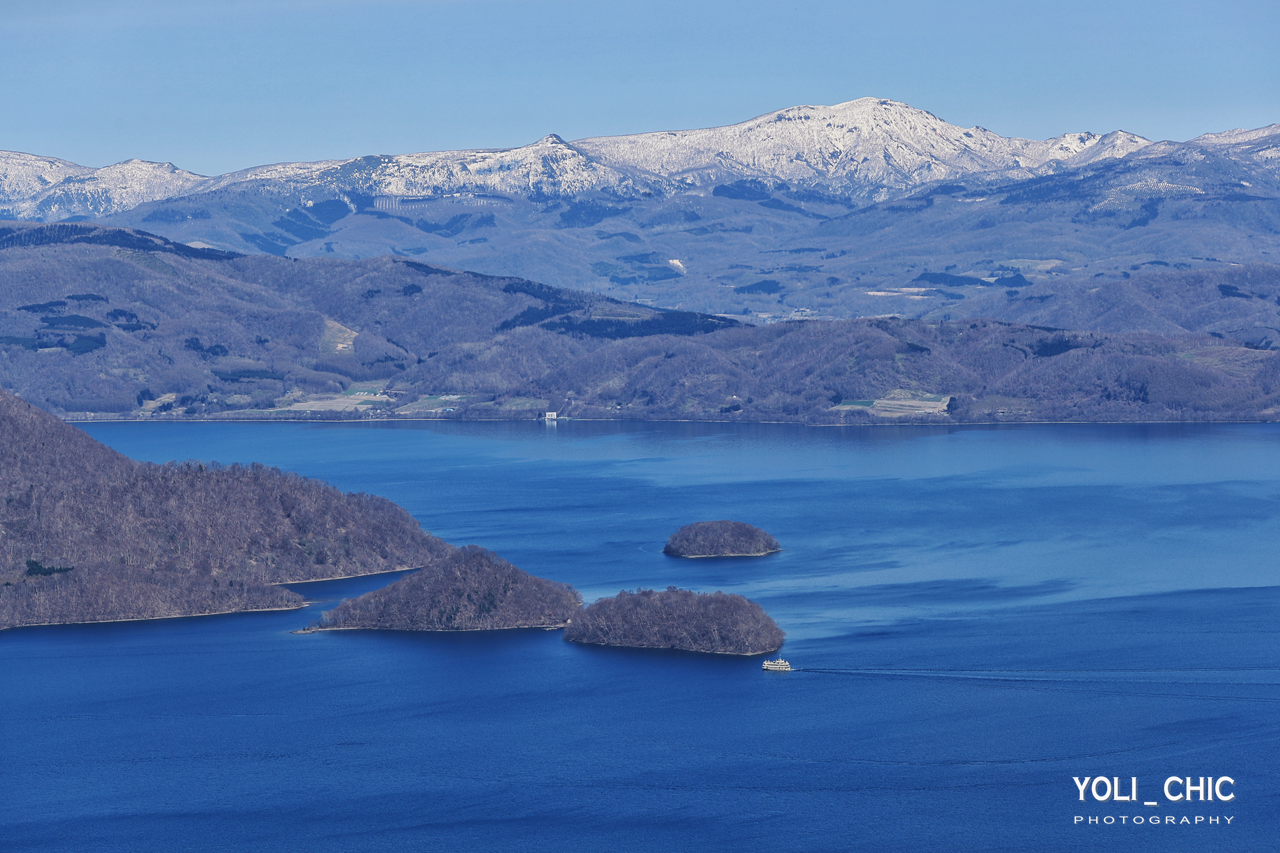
x=978, y=615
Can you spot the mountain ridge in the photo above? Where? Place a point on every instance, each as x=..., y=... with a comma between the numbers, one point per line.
x=871, y=148
x=904, y=146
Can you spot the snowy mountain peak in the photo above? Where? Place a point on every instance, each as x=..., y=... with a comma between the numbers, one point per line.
x=870, y=147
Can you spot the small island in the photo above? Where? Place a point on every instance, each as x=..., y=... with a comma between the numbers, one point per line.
x=720, y=539
x=471, y=590
x=716, y=623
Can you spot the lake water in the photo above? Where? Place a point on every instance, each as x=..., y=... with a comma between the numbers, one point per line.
x=978, y=615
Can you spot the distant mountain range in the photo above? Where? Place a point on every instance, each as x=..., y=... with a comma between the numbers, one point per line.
x=810, y=211
x=869, y=149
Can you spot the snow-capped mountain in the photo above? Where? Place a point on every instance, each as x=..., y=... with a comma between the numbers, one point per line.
x=25, y=176
x=868, y=147
x=1270, y=133
x=548, y=167
x=1261, y=145
x=45, y=188
x=865, y=150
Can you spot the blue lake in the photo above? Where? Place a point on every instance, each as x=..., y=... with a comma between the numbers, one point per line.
x=978, y=615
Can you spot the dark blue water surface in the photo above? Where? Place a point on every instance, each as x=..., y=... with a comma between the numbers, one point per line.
x=977, y=615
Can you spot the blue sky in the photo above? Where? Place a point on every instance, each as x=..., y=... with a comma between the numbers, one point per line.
x=218, y=86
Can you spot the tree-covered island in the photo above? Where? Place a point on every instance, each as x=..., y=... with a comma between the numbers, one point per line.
x=89, y=535
x=717, y=623
x=720, y=539
x=471, y=590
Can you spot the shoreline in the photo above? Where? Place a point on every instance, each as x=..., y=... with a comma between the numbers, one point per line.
x=111, y=417
x=317, y=630
x=348, y=577
x=673, y=649
x=722, y=556
x=302, y=606
x=307, y=602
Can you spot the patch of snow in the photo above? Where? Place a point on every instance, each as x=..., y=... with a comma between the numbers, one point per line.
x=23, y=176
x=1237, y=136
x=45, y=188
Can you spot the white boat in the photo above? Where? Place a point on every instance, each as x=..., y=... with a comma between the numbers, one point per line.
x=778, y=665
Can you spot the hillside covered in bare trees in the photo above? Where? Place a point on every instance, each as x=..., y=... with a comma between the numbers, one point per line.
x=717, y=622
x=471, y=590
x=720, y=539
x=87, y=534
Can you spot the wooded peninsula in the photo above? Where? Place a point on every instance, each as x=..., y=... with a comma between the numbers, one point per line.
x=88, y=535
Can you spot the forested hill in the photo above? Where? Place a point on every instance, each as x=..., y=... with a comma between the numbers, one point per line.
x=89, y=535
x=99, y=319
x=119, y=322
x=715, y=623
x=471, y=590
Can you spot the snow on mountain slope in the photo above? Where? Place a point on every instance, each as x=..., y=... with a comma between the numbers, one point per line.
x=548, y=167
x=1261, y=145
x=1109, y=146
x=1237, y=136
x=870, y=146
x=865, y=146
x=870, y=149
x=25, y=176
x=81, y=191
